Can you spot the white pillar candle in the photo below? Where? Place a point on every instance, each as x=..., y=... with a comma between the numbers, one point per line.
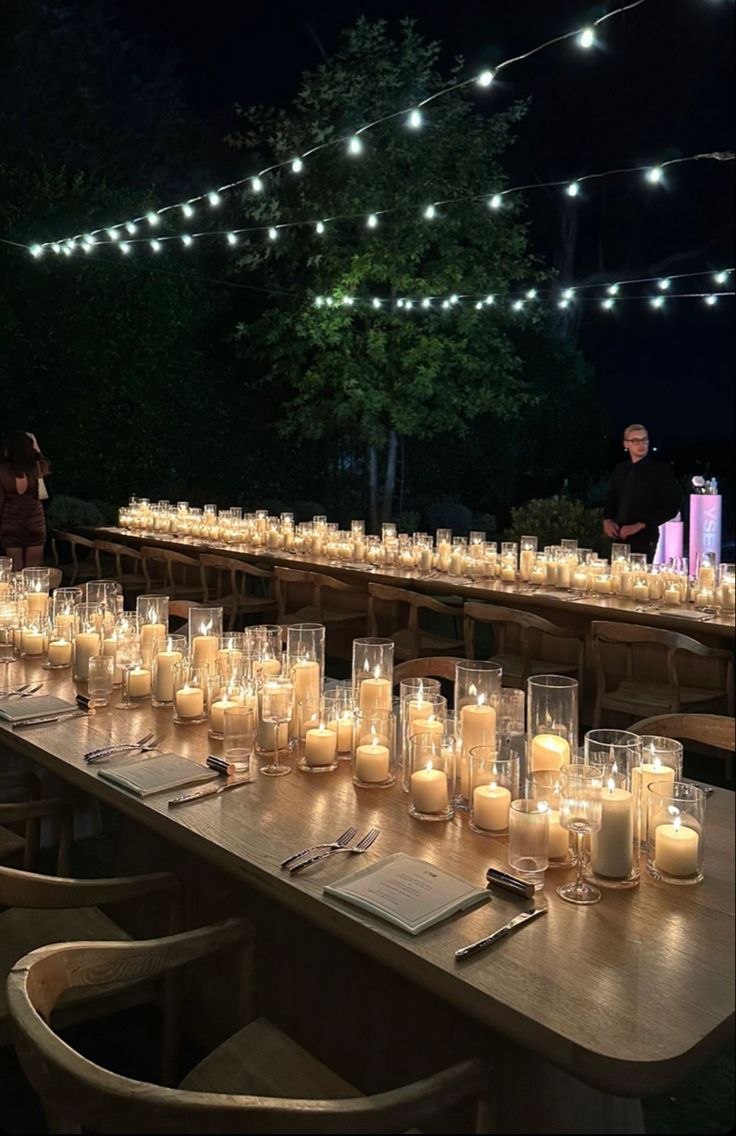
x=728, y=597
x=149, y=632
x=672, y=594
x=372, y=762
x=429, y=725
x=375, y=694
x=204, y=650
x=563, y=574
x=217, y=712
x=229, y=656
x=425, y=560
x=640, y=591
x=189, y=701
x=641, y=777
x=86, y=644
x=164, y=685
x=65, y=625
x=611, y=848
x=60, y=653
x=526, y=563
x=428, y=789
x=37, y=603
x=676, y=849
x=706, y=597
x=508, y=573
x=139, y=681
x=306, y=676
x=550, y=751
x=320, y=746
x=32, y=642
x=477, y=725
x=579, y=579
x=537, y=576
x=491, y=805
x=343, y=728
x=558, y=843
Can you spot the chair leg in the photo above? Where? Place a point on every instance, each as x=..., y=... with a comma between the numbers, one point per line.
x=597, y=713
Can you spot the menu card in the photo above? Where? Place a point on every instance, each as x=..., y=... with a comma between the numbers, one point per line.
x=26, y=709
x=412, y=894
x=157, y=774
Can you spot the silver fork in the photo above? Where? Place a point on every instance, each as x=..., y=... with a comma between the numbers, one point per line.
x=131, y=751
x=342, y=840
x=19, y=690
x=362, y=846
x=31, y=690
x=118, y=745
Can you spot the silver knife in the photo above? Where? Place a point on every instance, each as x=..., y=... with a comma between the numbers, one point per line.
x=481, y=944
x=46, y=718
x=210, y=790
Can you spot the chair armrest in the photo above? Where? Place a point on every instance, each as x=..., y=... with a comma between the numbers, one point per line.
x=27, y=889
x=14, y=812
x=19, y=779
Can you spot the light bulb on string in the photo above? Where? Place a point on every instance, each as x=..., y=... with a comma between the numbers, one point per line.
x=72, y=244
x=131, y=227
x=664, y=283
x=297, y=166
x=256, y=184
x=319, y=301
x=36, y=251
x=186, y=240
x=86, y=247
x=563, y=303
x=329, y=301
x=90, y=239
x=408, y=305
x=153, y=219
x=654, y=175
x=608, y=303
x=155, y=246
x=531, y=294
x=721, y=277
x=348, y=301
x=124, y=248
x=400, y=302
x=517, y=306
x=613, y=289
x=711, y=301
x=495, y=201
x=372, y=221
x=273, y=233
x=426, y=302
x=430, y=212
x=573, y=189
x=214, y=198
x=113, y=234
x=376, y=302
x=232, y=239
x=319, y=228
x=414, y=119
x=657, y=301
x=490, y=300
x=479, y=306
x=586, y=39
x=66, y=250
x=355, y=145
x=568, y=294
x=485, y=78
x=445, y=304
x=454, y=298
x=187, y=209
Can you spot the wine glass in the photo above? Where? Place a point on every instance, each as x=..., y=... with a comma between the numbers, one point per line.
x=581, y=793
x=128, y=656
x=277, y=699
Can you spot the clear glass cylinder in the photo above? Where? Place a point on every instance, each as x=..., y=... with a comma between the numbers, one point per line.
x=494, y=784
x=727, y=587
x=612, y=855
x=617, y=750
x=477, y=693
x=191, y=693
x=99, y=681
x=63, y=602
x=263, y=648
x=543, y=786
x=527, y=556
x=528, y=840
x=316, y=739
x=271, y=735
x=36, y=582
x=170, y=653
x=552, y=721
x=374, y=748
x=413, y=701
x=205, y=629
x=373, y=673
x=34, y=636
x=676, y=823
x=661, y=762
x=231, y=654
x=239, y=737
x=340, y=717
x=305, y=659
x=432, y=779
x=87, y=639
x=153, y=621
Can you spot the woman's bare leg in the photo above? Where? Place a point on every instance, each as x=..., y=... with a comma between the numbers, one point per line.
x=34, y=556
x=16, y=555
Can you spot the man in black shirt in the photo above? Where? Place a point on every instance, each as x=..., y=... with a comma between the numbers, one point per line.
x=642, y=495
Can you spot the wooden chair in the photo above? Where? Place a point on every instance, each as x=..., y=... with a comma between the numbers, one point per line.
x=413, y=640
x=76, y=569
x=638, y=693
x=128, y=570
x=231, y=1090
x=179, y=575
x=714, y=730
x=225, y=580
x=16, y=788
x=180, y=609
x=345, y=604
x=55, y=577
x=426, y=667
x=531, y=631
x=45, y=909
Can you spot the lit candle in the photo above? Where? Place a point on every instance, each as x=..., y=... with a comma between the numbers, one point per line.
x=149, y=632
x=640, y=591
x=477, y=724
x=32, y=641
x=550, y=751
x=139, y=681
x=508, y=573
x=641, y=777
x=672, y=594
x=375, y=693
x=320, y=747
x=526, y=563
x=37, y=603
x=491, y=805
x=430, y=725
x=164, y=684
x=60, y=653
x=189, y=701
x=372, y=762
x=558, y=839
x=306, y=680
x=428, y=788
x=217, y=712
x=204, y=647
x=86, y=644
x=728, y=597
x=676, y=849
x=612, y=846
x=343, y=728
x=580, y=580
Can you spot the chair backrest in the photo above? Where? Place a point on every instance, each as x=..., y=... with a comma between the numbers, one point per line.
x=55, y=577
x=58, y=536
x=288, y=578
x=437, y=666
x=75, y=1089
x=235, y=573
x=121, y=553
x=530, y=625
x=709, y=729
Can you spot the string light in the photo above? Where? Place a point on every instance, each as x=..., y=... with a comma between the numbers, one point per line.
x=657, y=301
x=354, y=144
x=319, y=301
x=273, y=233
x=445, y=304
x=490, y=300
x=329, y=301
x=131, y=228
x=153, y=219
x=568, y=294
x=124, y=248
x=518, y=305
x=155, y=246
x=430, y=212
x=426, y=303
x=711, y=301
x=187, y=210
x=297, y=166
x=454, y=298
x=372, y=221
x=531, y=294
x=655, y=175
x=664, y=284
x=376, y=302
x=408, y=305
x=113, y=234
x=186, y=240
x=721, y=277
x=608, y=303
x=66, y=250
x=563, y=303
x=613, y=289
x=495, y=201
x=319, y=228
x=573, y=189
x=414, y=120
x=36, y=251
x=586, y=39
x=348, y=301
x=232, y=239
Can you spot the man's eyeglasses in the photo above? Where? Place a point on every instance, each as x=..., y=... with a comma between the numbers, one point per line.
x=638, y=441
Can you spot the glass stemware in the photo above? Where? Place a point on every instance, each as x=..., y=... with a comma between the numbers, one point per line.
x=581, y=791
x=277, y=700
x=128, y=656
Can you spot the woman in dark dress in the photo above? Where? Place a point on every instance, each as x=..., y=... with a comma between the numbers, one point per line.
x=22, y=520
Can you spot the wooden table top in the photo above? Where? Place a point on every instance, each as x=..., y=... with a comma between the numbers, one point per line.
x=628, y=995
x=544, y=601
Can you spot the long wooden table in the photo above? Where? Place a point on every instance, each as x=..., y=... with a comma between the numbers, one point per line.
x=582, y=1008
x=717, y=631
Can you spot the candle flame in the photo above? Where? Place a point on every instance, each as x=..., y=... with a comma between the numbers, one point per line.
x=542, y=807
x=366, y=666
x=428, y=767
x=481, y=699
x=657, y=763
x=677, y=822
x=493, y=785
x=205, y=628
x=472, y=690
x=431, y=718
x=152, y=614
x=673, y=810
x=376, y=671
x=611, y=784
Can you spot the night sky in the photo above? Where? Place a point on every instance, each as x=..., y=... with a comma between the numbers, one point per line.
x=659, y=86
